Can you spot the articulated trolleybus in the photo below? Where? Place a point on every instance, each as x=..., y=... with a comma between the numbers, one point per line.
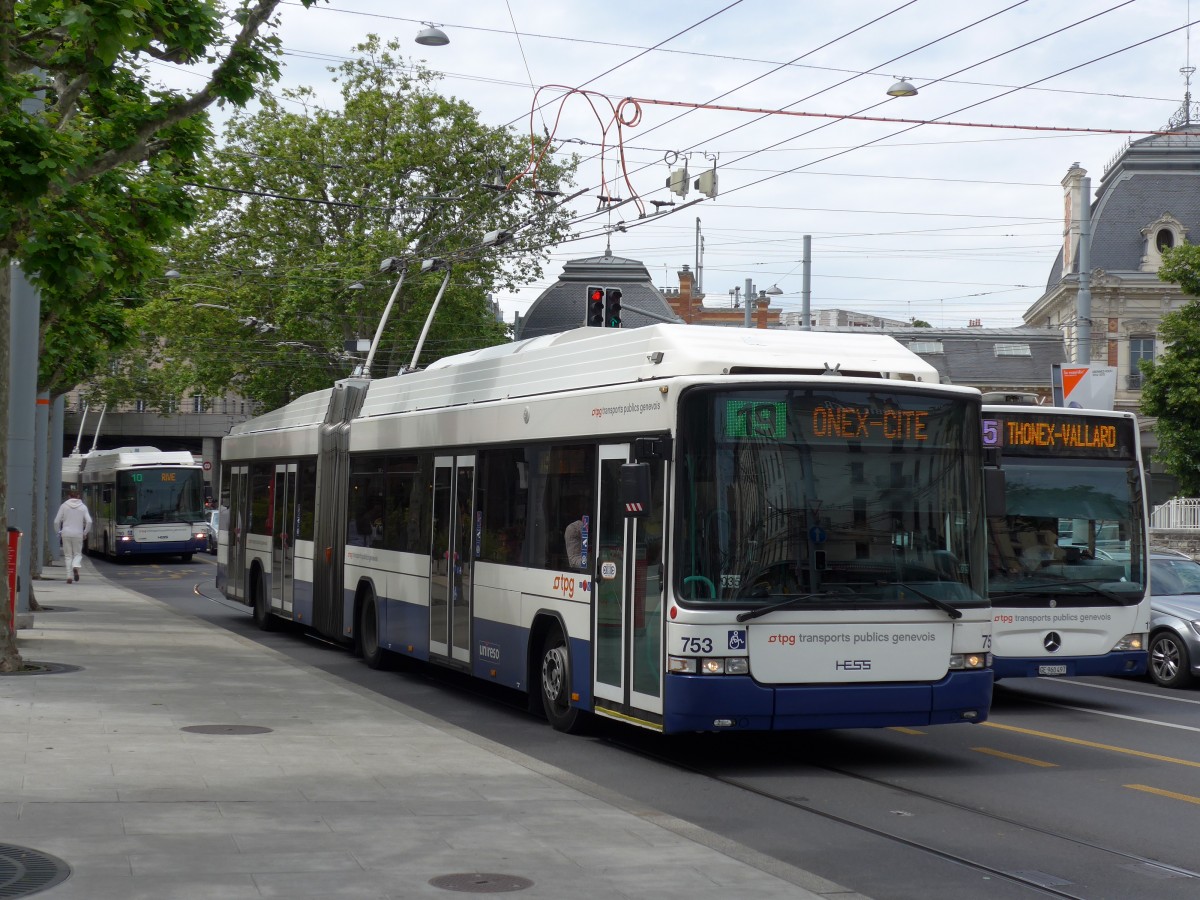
x=1068, y=575
x=687, y=529
x=144, y=501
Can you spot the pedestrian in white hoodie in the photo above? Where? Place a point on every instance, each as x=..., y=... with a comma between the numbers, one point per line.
x=73, y=523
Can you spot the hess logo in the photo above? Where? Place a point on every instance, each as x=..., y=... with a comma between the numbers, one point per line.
x=853, y=665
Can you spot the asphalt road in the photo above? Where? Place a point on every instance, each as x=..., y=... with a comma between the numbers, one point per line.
x=1083, y=788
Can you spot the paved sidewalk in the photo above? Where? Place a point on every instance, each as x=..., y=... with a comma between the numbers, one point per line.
x=349, y=795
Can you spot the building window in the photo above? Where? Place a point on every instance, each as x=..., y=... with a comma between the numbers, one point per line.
x=198, y=403
x=928, y=347
x=1164, y=240
x=1141, y=346
x=139, y=406
x=1013, y=350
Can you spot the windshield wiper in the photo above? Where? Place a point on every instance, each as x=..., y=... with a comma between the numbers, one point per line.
x=952, y=611
x=784, y=604
x=1049, y=587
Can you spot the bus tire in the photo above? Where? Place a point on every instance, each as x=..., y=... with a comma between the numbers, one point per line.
x=185, y=557
x=368, y=633
x=1170, y=666
x=263, y=617
x=555, y=681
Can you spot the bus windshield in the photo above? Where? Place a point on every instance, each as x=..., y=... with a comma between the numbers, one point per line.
x=160, y=495
x=861, y=496
x=1069, y=526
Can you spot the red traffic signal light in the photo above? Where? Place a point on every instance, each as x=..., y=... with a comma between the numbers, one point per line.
x=612, y=308
x=595, y=307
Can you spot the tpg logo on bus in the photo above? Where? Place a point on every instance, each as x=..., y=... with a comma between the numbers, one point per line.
x=565, y=585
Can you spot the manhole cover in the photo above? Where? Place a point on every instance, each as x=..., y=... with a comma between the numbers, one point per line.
x=227, y=729
x=481, y=883
x=29, y=667
x=24, y=871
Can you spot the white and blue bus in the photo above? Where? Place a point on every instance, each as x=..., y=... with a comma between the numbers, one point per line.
x=682, y=528
x=144, y=501
x=1067, y=573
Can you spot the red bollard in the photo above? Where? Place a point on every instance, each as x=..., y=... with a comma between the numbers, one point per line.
x=14, y=549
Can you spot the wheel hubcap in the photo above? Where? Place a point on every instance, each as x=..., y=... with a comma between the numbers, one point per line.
x=1166, y=659
x=554, y=667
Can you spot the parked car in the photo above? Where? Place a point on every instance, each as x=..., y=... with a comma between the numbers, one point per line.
x=1174, y=618
x=212, y=519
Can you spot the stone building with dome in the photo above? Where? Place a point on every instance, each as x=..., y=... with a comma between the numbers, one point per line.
x=1148, y=199
x=563, y=305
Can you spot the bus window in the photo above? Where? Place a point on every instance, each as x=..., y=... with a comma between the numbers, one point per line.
x=562, y=491
x=504, y=501
x=406, y=504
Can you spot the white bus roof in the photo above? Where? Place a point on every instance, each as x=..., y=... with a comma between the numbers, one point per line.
x=594, y=357
x=124, y=457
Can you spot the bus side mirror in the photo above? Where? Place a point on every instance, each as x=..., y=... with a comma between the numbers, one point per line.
x=633, y=490
x=993, y=493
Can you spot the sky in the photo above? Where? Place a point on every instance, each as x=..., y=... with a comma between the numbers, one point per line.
x=942, y=222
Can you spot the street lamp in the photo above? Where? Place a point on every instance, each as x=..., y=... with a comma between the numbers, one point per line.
x=432, y=36
x=902, y=88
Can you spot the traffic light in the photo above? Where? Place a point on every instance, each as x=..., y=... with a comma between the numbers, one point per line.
x=595, y=307
x=612, y=308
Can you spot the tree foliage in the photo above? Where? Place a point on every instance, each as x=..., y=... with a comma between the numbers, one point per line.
x=300, y=206
x=1171, y=385
x=88, y=142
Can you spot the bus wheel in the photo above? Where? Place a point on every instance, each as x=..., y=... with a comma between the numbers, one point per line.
x=262, y=608
x=556, y=684
x=368, y=633
x=185, y=557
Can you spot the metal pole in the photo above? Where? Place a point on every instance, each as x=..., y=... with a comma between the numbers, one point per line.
x=366, y=369
x=54, y=479
x=429, y=319
x=749, y=302
x=1083, y=300
x=99, y=422
x=22, y=419
x=806, y=285
x=79, y=436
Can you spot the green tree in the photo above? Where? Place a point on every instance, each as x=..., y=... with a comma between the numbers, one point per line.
x=79, y=112
x=304, y=202
x=1171, y=385
x=919, y=323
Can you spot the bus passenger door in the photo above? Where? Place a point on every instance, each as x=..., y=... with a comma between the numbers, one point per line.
x=283, y=537
x=235, y=525
x=455, y=539
x=628, y=622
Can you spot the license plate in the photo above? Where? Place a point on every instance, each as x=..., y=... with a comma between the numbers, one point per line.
x=1052, y=670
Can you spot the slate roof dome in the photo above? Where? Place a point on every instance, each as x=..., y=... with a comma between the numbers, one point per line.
x=1152, y=177
x=561, y=306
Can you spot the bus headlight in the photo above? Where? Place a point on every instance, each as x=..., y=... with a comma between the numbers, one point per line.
x=709, y=665
x=962, y=661
x=1131, y=642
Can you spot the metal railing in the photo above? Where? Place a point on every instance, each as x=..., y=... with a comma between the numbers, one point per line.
x=1177, y=513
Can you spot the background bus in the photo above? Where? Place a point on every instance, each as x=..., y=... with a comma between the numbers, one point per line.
x=1068, y=576
x=143, y=501
x=687, y=529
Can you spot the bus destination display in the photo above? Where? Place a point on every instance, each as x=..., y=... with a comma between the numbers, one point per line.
x=1045, y=434
x=768, y=420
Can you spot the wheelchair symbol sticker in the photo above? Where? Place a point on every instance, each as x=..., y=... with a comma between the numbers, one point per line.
x=737, y=640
